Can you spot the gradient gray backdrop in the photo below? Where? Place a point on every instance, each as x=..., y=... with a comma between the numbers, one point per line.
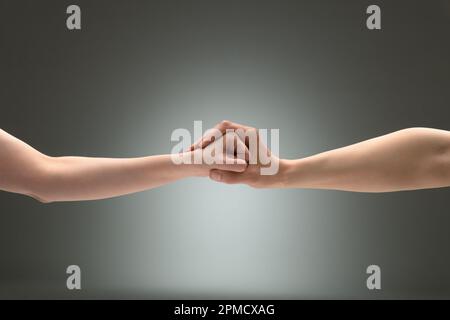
x=139, y=69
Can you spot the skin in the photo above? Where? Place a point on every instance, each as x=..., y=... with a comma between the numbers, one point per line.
x=409, y=159
x=415, y=158
x=27, y=171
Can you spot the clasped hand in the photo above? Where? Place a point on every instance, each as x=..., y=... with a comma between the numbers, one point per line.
x=246, y=154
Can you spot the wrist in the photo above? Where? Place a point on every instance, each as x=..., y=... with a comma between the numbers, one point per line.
x=190, y=164
x=279, y=179
x=282, y=177
x=287, y=172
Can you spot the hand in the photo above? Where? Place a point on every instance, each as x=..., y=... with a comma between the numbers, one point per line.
x=225, y=153
x=259, y=157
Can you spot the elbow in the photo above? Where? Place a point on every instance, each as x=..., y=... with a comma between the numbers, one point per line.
x=40, y=192
x=438, y=168
x=431, y=149
x=39, y=182
x=441, y=170
x=40, y=198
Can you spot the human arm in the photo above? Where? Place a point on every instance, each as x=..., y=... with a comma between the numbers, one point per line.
x=414, y=158
x=27, y=171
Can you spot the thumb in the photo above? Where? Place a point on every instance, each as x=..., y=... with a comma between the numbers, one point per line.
x=229, y=177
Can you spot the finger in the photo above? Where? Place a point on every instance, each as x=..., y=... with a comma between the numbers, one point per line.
x=232, y=146
x=222, y=126
x=225, y=176
x=232, y=164
x=225, y=124
x=241, y=150
x=206, y=139
x=232, y=142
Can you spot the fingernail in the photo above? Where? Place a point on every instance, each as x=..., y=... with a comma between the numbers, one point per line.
x=216, y=176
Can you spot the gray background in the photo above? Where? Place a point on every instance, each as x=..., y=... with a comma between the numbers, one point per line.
x=139, y=69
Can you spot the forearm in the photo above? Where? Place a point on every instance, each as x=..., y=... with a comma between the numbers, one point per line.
x=409, y=159
x=79, y=178
x=27, y=171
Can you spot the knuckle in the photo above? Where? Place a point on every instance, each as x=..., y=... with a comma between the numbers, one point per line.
x=225, y=123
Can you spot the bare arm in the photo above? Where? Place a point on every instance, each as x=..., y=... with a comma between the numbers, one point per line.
x=27, y=171
x=415, y=158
